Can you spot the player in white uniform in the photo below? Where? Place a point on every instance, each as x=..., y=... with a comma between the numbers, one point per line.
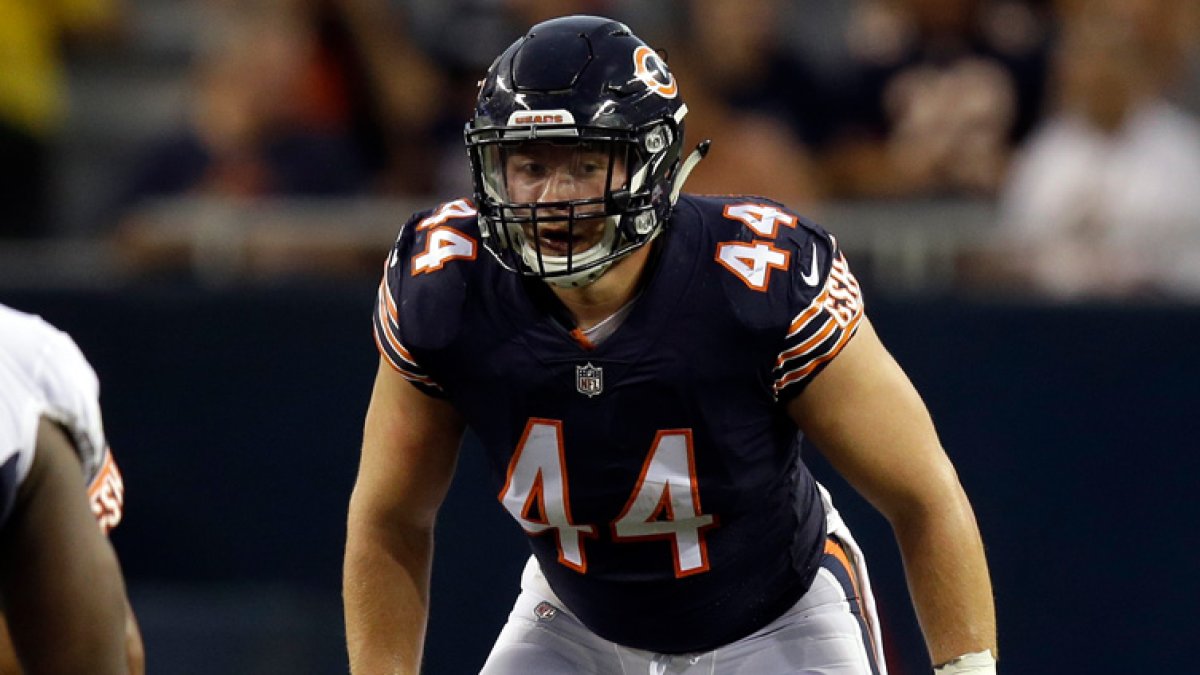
x=61, y=584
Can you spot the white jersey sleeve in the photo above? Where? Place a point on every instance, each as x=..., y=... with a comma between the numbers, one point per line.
x=44, y=374
x=19, y=413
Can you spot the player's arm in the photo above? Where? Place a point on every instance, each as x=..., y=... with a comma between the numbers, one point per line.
x=868, y=420
x=62, y=584
x=410, y=448
x=135, y=652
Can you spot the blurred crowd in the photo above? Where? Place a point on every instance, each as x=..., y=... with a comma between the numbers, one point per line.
x=1077, y=119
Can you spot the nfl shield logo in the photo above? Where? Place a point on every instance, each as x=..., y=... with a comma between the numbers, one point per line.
x=589, y=379
x=545, y=611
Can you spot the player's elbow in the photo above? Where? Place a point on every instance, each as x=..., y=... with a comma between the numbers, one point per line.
x=935, y=494
x=941, y=508
x=373, y=530
x=372, y=510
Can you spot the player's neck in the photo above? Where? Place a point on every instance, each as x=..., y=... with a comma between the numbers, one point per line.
x=591, y=304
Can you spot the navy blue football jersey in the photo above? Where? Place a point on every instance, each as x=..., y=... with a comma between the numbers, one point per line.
x=657, y=473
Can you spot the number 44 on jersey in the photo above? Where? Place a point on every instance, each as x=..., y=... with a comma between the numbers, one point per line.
x=665, y=504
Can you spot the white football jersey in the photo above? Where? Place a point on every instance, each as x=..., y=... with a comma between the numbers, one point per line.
x=43, y=374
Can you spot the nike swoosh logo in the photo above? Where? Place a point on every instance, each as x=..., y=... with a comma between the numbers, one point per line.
x=811, y=278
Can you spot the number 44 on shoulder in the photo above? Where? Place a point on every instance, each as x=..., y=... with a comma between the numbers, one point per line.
x=753, y=262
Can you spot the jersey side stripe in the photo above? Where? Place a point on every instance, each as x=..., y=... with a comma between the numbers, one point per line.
x=837, y=562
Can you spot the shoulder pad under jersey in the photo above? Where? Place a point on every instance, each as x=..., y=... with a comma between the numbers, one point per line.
x=786, y=275
x=420, y=298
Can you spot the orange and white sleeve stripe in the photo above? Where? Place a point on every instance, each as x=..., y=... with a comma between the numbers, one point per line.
x=387, y=340
x=818, y=333
x=106, y=493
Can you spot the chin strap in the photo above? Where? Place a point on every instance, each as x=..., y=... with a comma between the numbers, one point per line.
x=685, y=169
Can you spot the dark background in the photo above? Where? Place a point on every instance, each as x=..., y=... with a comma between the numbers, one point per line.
x=236, y=416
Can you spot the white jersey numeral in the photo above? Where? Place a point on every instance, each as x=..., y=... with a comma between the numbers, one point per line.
x=761, y=218
x=666, y=503
x=459, y=208
x=536, y=491
x=752, y=262
x=442, y=245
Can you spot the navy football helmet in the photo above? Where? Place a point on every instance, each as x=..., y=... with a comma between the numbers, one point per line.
x=590, y=117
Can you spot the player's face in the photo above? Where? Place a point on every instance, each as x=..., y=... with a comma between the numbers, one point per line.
x=546, y=173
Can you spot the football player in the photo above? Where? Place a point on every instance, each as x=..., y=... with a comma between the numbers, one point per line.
x=641, y=366
x=63, y=593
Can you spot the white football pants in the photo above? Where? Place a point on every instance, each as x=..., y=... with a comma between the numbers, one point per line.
x=831, y=630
